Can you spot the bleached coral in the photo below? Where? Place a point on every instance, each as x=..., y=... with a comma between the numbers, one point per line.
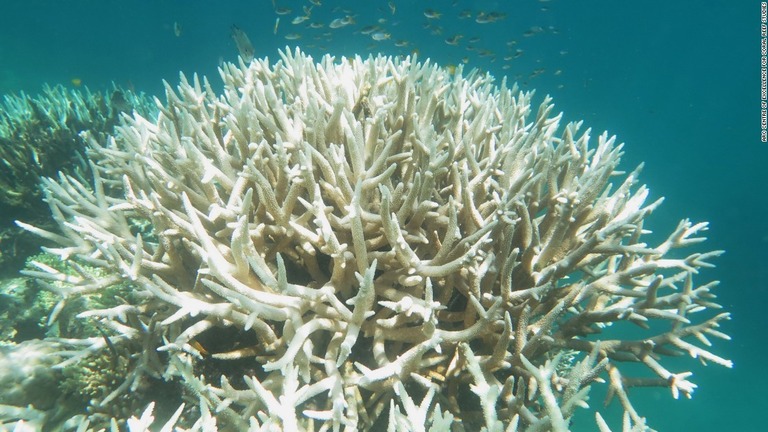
x=40, y=136
x=369, y=242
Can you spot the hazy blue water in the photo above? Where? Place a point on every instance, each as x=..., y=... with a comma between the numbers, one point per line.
x=676, y=80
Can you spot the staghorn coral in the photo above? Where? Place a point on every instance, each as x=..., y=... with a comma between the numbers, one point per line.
x=374, y=243
x=40, y=369
x=39, y=137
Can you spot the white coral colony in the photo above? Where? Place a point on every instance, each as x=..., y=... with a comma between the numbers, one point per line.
x=402, y=247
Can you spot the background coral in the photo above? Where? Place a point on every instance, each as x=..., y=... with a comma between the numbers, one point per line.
x=376, y=241
x=38, y=369
x=40, y=137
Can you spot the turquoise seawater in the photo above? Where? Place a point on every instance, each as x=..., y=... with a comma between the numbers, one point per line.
x=677, y=81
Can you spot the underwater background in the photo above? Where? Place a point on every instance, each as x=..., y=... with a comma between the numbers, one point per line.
x=678, y=82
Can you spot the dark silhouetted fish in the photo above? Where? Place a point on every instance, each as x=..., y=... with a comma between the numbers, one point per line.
x=244, y=45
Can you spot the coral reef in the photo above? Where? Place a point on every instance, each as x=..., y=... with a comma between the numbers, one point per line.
x=373, y=243
x=40, y=369
x=23, y=310
x=40, y=137
x=32, y=376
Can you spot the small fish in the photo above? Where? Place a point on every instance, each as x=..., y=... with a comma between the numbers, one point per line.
x=369, y=29
x=277, y=23
x=336, y=23
x=196, y=345
x=482, y=18
x=533, y=31
x=110, y=345
x=342, y=22
x=454, y=40
x=402, y=43
x=77, y=82
x=176, y=28
x=35, y=157
x=293, y=36
x=392, y=7
x=489, y=17
x=466, y=13
x=299, y=19
x=496, y=16
x=316, y=2
x=380, y=36
x=485, y=53
x=244, y=45
x=119, y=103
x=432, y=14
x=283, y=11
